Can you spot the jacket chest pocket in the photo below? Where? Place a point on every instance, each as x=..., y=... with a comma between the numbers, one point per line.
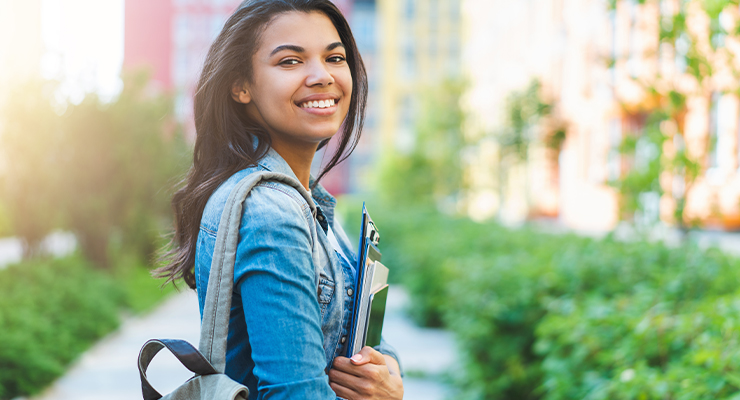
x=325, y=293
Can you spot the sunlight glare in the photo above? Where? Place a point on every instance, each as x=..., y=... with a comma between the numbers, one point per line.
x=83, y=41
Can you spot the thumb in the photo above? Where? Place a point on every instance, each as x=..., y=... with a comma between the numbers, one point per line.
x=368, y=355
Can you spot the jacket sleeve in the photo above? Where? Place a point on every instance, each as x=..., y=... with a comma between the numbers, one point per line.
x=387, y=349
x=274, y=274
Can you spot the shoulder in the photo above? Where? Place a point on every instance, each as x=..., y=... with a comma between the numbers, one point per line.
x=267, y=201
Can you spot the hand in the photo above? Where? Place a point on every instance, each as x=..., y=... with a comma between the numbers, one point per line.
x=368, y=375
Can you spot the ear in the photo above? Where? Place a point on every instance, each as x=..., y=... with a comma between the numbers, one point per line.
x=240, y=93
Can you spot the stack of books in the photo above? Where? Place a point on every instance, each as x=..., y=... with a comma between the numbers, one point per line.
x=372, y=290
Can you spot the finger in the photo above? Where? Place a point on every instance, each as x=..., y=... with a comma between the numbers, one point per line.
x=368, y=355
x=363, y=387
x=345, y=365
x=343, y=392
x=345, y=379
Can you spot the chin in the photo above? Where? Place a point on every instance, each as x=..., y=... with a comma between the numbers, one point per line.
x=325, y=133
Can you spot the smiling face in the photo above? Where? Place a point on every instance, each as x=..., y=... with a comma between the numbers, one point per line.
x=301, y=86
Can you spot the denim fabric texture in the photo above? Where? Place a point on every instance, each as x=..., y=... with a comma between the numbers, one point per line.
x=293, y=293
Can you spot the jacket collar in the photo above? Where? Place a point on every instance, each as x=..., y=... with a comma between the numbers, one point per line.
x=272, y=161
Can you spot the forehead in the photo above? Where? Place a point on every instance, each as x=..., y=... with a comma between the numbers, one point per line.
x=312, y=30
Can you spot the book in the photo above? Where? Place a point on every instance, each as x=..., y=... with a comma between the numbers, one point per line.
x=371, y=290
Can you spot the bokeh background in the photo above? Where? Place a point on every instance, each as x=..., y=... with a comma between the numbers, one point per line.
x=556, y=183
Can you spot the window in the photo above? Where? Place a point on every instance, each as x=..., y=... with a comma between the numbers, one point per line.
x=614, y=161
x=410, y=10
x=433, y=14
x=455, y=11
x=682, y=49
x=737, y=146
x=713, y=157
x=408, y=59
x=632, y=126
x=633, y=62
x=217, y=23
x=720, y=158
x=363, y=26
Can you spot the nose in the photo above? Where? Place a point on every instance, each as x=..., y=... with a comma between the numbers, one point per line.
x=319, y=74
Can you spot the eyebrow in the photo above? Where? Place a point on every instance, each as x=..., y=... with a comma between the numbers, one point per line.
x=299, y=49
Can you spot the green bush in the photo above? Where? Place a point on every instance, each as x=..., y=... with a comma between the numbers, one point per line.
x=51, y=310
x=551, y=317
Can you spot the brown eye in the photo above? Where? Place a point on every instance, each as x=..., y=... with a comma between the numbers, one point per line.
x=290, y=61
x=336, y=59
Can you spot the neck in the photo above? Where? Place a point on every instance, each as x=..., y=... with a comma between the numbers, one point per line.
x=299, y=158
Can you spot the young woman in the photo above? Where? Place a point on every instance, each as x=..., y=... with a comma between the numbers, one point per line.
x=281, y=79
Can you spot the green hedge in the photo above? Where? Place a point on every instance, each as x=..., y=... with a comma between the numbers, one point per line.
x=51, y=310
x=558, y=317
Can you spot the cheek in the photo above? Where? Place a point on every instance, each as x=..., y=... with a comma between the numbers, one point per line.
x=278, y=90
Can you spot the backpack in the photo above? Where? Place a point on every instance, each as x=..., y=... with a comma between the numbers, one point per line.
x=209, y=363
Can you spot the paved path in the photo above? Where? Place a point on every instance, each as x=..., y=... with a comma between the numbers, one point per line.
x=11, y=251
x=57, y=243
x=108, y=370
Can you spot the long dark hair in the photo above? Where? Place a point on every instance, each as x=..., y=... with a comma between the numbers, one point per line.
x=225, y=141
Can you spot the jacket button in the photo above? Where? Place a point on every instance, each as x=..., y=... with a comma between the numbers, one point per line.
x=350, y=292
x=320, y=217
x=344, y=339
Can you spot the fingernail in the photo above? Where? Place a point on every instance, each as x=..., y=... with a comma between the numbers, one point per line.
x=357, y=357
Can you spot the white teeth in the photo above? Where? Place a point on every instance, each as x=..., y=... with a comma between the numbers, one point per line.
x=319, y=104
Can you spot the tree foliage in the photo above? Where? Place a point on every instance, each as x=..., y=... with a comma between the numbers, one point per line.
x=524, y=111
x=432, y=171
x=101, y=170
x=700, y=56
x=29, y=140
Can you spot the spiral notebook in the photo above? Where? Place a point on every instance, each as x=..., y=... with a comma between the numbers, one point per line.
x=372, y=290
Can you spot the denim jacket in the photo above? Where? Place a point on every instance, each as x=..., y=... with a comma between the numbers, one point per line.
x=292, y=299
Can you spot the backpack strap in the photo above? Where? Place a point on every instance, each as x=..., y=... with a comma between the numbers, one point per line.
x=217, y=307
x=191, y=358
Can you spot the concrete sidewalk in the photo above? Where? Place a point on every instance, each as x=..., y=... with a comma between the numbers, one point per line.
x=108, y=370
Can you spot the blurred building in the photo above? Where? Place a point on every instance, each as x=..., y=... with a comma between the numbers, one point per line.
x=420, y=47
x=590, y=60
x=171, y=39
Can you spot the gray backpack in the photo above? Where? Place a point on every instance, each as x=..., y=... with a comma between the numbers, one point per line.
x=208, y=364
